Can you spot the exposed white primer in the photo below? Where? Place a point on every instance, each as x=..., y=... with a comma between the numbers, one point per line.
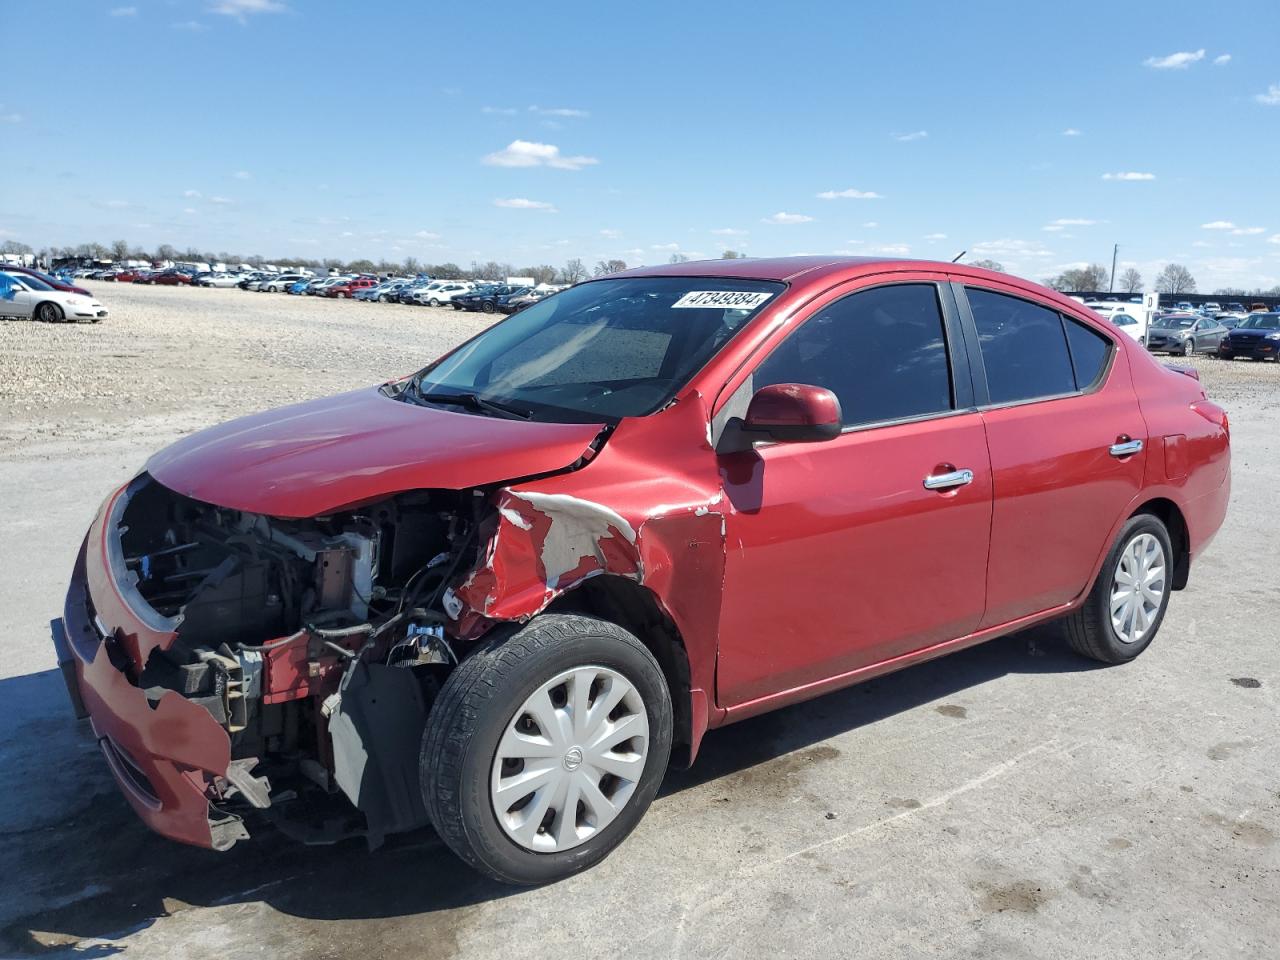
x=515, y=518
x=577, y=527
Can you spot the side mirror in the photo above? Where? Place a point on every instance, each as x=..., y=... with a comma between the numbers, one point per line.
x=785, y=413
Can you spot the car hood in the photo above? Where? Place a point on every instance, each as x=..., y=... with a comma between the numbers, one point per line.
x=317, y=457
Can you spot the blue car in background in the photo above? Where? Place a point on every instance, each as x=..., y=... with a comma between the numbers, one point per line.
x=298, y=286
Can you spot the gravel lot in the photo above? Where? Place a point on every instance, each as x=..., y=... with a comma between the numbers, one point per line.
x=1010, y=801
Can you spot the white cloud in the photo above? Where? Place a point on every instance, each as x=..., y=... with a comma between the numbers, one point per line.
x=501, y=111
x=935, y=236
x=558, y=112
x=1218, y=225
x=783, y=217
x=520, y=203
x=191, y=194
x=1175, y=61
x=243, y=8
x=728, y=232
x=426, y=235
x=871, y=224
x=124, y=11
x=907, y=137
x=221, y=200
x=1248, y=231
x=610, y=234
x=189, y=210
x=1071, y=132
x=1072, y=222
x=195, y=26
x=850, y=194
x=1274, y=238
x=1200, y=243
x=526, y=153
x=667, y=247
x=1007, y=248
x=1053, y=228
x=117, y=204
x=892, y=250
x=1128, y=176
x=1222, y=60
x=1271, y=98
x=243, y=175
x=12, y=117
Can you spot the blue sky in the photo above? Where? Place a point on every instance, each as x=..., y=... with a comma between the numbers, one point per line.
x=1032, y=133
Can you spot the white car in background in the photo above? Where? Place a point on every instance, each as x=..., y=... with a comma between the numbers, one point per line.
x=220, y=280
x=440, y=292
x=279, y=283
x=24, y=296
x=1126, y=316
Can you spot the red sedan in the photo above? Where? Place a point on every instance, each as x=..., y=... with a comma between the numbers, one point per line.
x=171, y=278
x=500, y=595
x=345, y=291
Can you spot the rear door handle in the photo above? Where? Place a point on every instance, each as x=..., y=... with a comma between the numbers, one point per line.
x=946, y=481
x=1126, y=448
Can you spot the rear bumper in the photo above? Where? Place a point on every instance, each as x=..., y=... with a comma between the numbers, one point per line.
x=166, y=755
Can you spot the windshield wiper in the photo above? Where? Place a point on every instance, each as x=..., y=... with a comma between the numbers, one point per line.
x=475, y=401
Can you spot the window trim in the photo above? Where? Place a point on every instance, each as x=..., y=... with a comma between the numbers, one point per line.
x=959, y=370
x=982, y=392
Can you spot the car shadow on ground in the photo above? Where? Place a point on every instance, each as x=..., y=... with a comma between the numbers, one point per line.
x=83, y=867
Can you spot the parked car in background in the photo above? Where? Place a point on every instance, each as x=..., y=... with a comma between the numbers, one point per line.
x=1256, y=337
x=219, y=280
x=321, y=286
x=299, y=288
x=1128, y=324
x=384, y=292
x=170, y=278
x=279, y=283
x=25, y=296
x=1230, y=320
x=440, y=292
x=1184, y=306
x=44, y=278
x=548, y=630
x=248, y=281
x=518, y=301
x=1236, y=307
x=347, y=289
x=485, y=299
x=1185, y=334
x=1212, y=307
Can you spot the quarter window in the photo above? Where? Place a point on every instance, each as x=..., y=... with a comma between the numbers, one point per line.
x=882, y=352
x=1089, y=351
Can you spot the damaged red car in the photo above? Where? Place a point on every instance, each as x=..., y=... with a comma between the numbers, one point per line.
x=501, y=595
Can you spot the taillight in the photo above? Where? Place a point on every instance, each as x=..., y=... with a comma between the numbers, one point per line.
x=1213, y=413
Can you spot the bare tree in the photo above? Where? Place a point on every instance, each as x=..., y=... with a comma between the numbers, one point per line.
x=1175, y=279
x=678, y=258
x=606, y=267
x=120, y=250
x=1131, y=281
x=541, y=274
x=995, y=265
x=574, y=271
x=165, y=252
x=1082, y=279
x=411, y=266
x=731, y=255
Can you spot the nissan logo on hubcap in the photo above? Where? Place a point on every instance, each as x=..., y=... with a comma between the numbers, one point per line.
x=573, y=759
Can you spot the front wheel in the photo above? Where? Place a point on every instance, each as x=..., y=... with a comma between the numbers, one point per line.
x=1188, y=348
x=544, y=749
x=1126, y=606
x=50, y=313
x=433, y=302
x=488, y=307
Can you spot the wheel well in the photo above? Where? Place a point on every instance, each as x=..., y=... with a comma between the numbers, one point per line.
x=624, y=602
x=1168, y=513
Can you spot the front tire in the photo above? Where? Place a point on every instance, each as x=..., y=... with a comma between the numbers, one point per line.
x=545, y=748
x=1188, y=349
x=50, y=313
x=1125, y=608
x=433, y=302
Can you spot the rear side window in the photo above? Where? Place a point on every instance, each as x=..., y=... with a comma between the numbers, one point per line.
x=882, y=352
x=1089, y=351
x=1024, y=349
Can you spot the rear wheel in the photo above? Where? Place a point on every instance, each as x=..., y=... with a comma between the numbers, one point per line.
x=50, y=313
x=433, y=302
x=488, y=306
x=544, y=749
x=1188, y=348
x=1125, y=608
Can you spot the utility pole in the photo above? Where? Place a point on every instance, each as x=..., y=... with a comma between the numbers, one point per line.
x=1115, y=250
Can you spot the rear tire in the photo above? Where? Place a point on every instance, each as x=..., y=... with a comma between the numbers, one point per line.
x=1127, y=604
x=484, y=721
x=1188, y=349
x=488, y=307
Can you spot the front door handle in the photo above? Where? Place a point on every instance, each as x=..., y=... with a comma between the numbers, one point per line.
x=947, y=481
x=1125, y=448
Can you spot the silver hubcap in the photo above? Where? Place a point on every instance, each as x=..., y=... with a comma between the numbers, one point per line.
x=569, y=759
x=1138, y=588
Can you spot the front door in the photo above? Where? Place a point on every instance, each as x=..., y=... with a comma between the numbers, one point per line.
x=854, y=551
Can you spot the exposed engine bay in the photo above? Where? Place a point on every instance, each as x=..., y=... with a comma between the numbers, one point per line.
x=317, y=644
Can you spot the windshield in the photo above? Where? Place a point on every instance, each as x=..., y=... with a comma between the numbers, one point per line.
x=598, y=351
x=1261, y=321
x=1174, y=322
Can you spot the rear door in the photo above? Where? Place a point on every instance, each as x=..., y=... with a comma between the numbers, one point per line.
x=1067, y=444
x=863, y=548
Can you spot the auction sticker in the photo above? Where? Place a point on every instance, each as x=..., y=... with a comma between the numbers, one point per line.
x=729, y=299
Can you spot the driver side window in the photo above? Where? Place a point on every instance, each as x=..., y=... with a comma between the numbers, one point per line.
x=882, y=352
